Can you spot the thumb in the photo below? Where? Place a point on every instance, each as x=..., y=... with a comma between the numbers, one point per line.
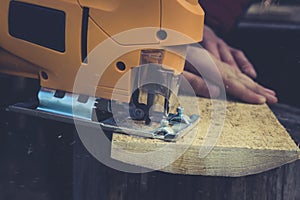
x=195, y=84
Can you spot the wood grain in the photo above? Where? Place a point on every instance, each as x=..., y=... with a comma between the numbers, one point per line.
x=251, y=141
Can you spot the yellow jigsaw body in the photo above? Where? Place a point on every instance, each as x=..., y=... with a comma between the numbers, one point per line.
x=53, y=41
x=57, y=69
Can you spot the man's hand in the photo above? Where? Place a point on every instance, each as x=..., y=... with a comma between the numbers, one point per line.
x=233, y=57
x=236, y=83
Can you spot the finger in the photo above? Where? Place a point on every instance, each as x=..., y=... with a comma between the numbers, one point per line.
x=243, y=63
x=239, y=90
x=226, y=56
x=212, y=47
x=271, y=99
x=243, y=87
x=190, y=68
x=270, y=91
x=255, y=87
x=200, y=62
x=200, y=87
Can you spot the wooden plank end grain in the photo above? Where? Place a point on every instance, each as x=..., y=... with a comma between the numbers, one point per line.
x=248, y=140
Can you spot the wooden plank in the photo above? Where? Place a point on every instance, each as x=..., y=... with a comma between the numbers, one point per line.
x=252, y=141
x=290, y=118
x=281, y=183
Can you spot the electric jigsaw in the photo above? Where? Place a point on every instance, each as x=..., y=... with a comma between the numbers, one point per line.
x=54, y=40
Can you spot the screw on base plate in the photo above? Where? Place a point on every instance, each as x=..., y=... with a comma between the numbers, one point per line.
x=180, y=117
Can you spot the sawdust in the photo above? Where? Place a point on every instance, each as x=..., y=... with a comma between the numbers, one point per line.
x=242, y=139
x=245, y=126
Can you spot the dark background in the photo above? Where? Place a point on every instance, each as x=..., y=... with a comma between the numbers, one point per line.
x=36, y=155
x=271, y=41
